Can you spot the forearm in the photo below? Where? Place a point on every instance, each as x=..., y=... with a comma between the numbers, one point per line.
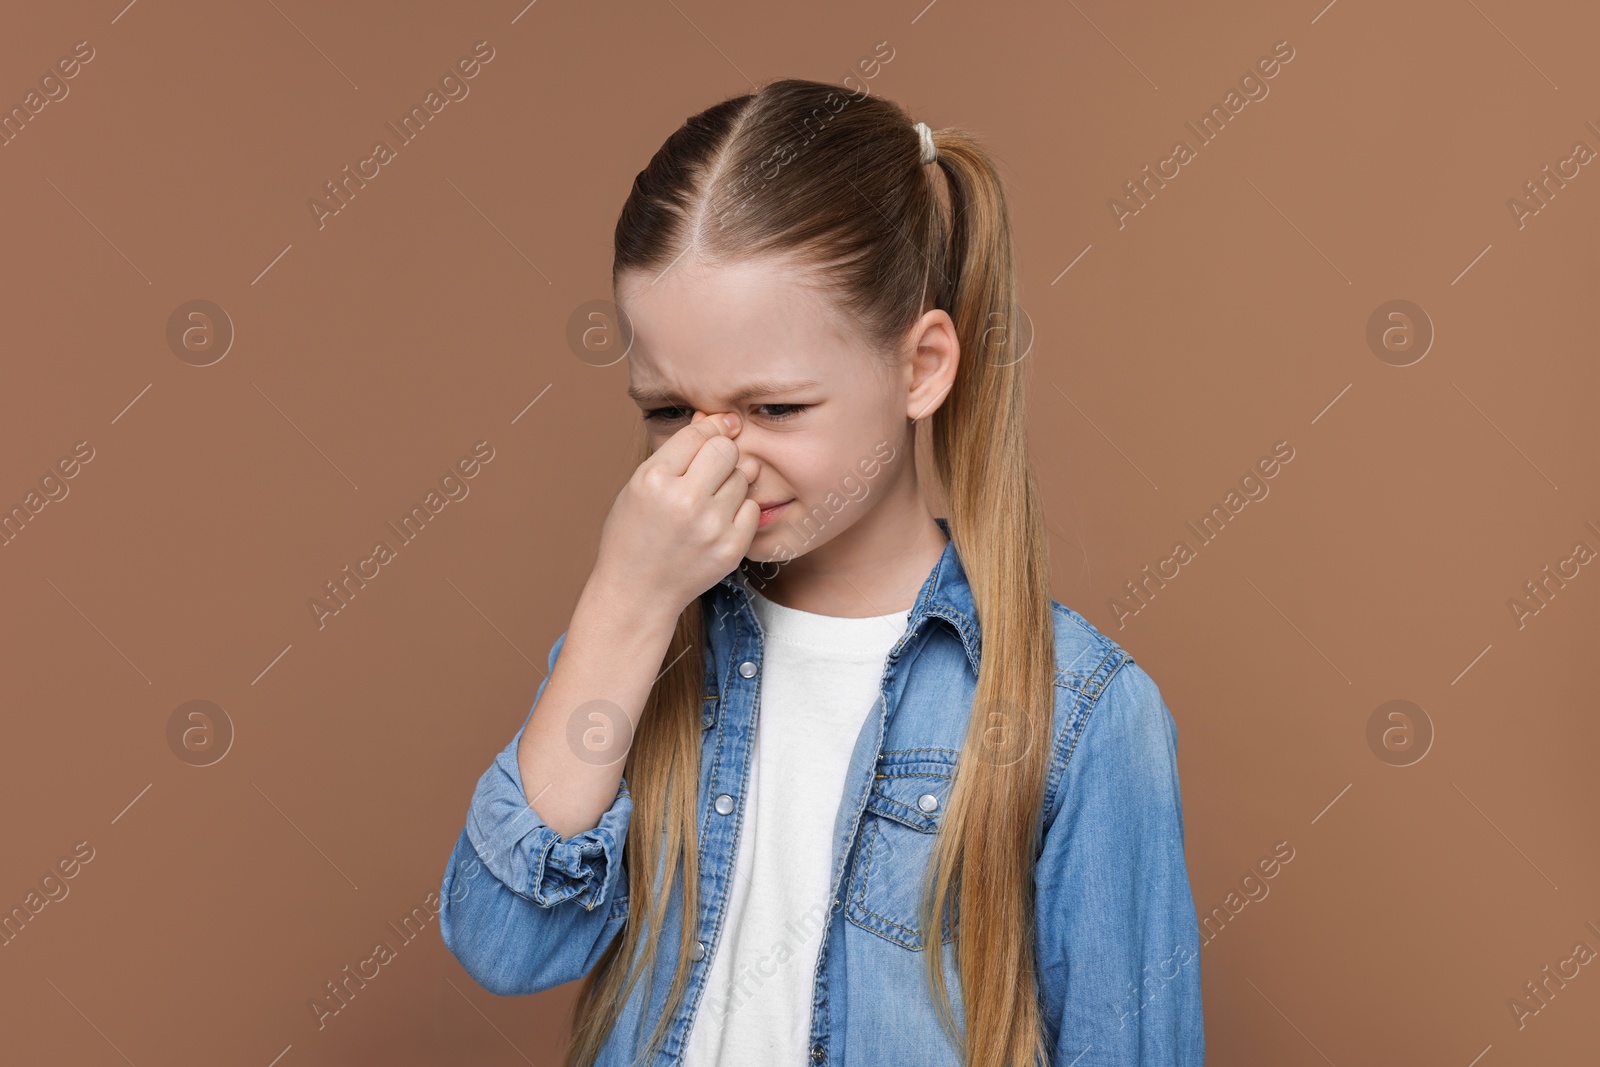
x=571, y=752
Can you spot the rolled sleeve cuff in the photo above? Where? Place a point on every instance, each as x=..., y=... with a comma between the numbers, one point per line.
x=534, y=861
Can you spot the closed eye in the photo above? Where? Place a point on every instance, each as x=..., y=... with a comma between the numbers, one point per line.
x=663, y=415
x=776, y=413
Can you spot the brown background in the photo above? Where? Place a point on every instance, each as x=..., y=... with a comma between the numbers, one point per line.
x=371, y=354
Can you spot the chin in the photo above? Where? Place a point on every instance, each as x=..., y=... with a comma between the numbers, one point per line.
x=775, y=555
x=774, y=545
x=789, y=539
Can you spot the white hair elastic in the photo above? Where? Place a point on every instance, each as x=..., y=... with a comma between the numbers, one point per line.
x=930, y=151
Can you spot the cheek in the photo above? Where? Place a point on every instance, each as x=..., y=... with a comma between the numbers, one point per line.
x=658, y=434
x=818, y=468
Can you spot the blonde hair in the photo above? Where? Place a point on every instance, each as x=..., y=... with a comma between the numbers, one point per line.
x=824, y=178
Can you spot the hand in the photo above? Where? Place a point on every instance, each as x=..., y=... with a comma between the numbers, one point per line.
x=684, y=520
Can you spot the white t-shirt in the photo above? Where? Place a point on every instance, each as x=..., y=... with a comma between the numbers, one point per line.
x=819, y=680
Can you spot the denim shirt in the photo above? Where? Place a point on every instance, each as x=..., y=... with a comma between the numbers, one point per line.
x=1116, y=940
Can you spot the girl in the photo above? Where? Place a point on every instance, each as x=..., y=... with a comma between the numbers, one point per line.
x=816, y=777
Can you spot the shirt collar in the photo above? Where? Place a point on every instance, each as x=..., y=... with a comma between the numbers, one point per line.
x=945, y=595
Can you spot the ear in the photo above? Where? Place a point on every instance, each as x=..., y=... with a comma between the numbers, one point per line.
x=931, y=370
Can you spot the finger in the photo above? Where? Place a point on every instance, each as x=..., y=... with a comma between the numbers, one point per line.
x=729, y=422
x=745, y=522
x=679, y=450
x=711, y=465
x=734, y=490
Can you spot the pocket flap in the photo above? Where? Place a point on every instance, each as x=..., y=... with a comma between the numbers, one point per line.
x=912, y=792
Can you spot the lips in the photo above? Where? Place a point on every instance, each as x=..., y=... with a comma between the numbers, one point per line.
x=770, y=512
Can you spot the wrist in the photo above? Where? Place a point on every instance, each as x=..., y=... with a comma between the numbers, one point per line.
x=616, y=600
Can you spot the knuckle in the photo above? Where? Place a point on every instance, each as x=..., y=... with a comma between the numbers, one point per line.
x=680, y=503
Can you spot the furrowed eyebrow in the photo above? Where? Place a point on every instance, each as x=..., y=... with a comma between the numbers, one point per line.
x=767, y=387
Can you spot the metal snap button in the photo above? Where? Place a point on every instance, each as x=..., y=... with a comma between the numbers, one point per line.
x=747, y=669
x=928, y=802
x=699, y=952
x=724, y=804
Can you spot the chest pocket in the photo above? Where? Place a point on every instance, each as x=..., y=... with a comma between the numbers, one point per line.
x=899, y=826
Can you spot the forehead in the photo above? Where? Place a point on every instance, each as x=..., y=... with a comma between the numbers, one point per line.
x=712, y=331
